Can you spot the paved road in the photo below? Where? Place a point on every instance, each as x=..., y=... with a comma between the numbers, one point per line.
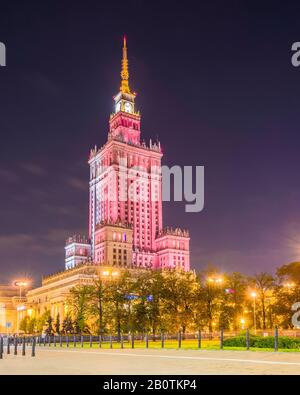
x=179, y=362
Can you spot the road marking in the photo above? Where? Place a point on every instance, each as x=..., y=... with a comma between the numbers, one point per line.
x=254, y=361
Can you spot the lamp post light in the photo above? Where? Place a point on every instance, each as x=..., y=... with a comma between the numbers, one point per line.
x=110, y=273
x=215, y=280
x=21, y=284
x=254, y=295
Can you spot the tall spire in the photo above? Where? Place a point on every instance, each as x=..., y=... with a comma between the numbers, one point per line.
x=125, y=73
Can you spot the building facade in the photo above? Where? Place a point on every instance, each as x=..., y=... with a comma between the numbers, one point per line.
x=12, y=308
x=125, y=193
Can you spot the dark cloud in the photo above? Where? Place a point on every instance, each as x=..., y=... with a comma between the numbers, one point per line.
x=8, y=175
x=77, y=183
x=34, y=169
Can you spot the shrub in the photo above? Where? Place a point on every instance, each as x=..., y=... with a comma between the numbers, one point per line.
x=263, y=342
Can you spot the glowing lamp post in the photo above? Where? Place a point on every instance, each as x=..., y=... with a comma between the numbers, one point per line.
x=21, y=284
x=109, y=273
x=215, y=280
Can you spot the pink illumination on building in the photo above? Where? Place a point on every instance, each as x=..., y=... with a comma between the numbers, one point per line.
x=125, y=197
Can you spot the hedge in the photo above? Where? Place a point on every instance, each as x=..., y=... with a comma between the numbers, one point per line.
x=263, y=342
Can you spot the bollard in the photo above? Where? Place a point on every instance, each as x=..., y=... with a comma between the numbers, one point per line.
x=15, y=346
x=67, y=339
x=110, y=341
x=132, y=340
x=221, y=339
x=54, y=341
x=100, y=341
x=162, y=340
x=81, y=341
x=60, y=340
x=23, y=347
x=276, y=338
x=147, y=340
x=248, y=339
x=8, y=345
x=91, y=341
x=75, y=341
x=122, y=341
x=199, y=339
x=45, y=341
x=1, y=347
x=179, y=339
x=33, y=347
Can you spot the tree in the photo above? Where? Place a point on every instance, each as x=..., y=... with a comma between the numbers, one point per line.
x=289, y=273
x=67, y=325
x=179, y=294
x=234, y=300
x=155, y=301
x=287, y=292
x=41, y=321
x=118, y=291
x=23, y=326
x=264, y=283
x=31, y=325
x=49, y=328
x=79, y=303
x=99, y=297
x=209, y=298
x=57, y=324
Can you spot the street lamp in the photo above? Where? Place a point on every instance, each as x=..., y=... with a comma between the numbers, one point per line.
x=215, y=280
x=253, y=295
x=109, y=273
x=21, y=284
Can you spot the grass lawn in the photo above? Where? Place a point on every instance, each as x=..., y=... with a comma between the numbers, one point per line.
x=171, y=344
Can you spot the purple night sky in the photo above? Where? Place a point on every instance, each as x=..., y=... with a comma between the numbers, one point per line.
x=215, y=83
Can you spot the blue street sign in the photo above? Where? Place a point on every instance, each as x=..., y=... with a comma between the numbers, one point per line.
x=8, y=325
x=133, y=297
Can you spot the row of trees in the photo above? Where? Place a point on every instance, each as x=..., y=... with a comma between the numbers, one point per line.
x=173, y=300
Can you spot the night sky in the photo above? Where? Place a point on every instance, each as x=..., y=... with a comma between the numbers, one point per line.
x=215, y=83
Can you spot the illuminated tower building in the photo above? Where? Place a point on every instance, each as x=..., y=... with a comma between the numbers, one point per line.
x=125, y=199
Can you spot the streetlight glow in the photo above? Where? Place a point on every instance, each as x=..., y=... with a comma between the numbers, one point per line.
x=215, y=280
x=289, y=285
x=110, y=273
x=243, y=323
x=21, y=284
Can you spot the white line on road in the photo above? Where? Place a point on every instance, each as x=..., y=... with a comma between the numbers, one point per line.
x=255, y=361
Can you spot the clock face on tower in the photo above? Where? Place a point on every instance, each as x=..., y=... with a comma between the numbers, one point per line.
x=128, y=107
